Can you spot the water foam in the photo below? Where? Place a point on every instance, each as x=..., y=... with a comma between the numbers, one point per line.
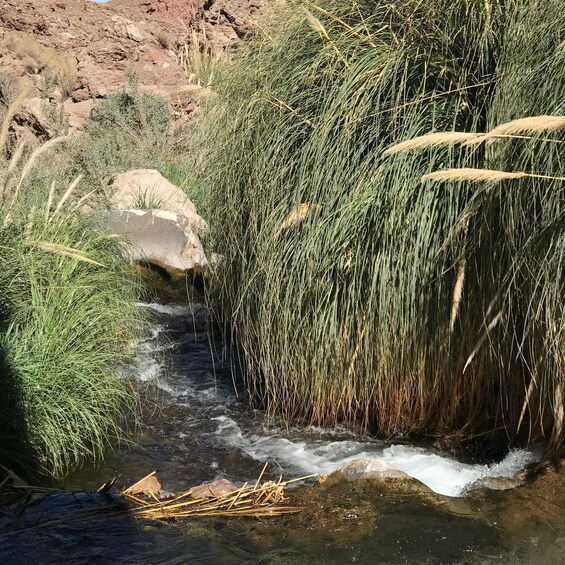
x=441, y=474
x=172, y=309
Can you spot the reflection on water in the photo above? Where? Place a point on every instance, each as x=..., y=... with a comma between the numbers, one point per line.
x=199, y=430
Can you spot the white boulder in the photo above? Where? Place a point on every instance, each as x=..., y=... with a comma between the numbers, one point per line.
x=148, y=189
x=159, y=237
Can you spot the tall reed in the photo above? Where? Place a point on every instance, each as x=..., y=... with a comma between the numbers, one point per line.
x=355, y=292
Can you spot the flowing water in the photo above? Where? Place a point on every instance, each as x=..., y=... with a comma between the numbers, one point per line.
x=196, y=428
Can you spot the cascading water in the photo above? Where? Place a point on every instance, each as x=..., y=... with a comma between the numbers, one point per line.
x=196, y=427
x=192, y=377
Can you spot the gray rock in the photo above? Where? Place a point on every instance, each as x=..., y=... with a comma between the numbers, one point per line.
x=160, y=237
x=370, y=469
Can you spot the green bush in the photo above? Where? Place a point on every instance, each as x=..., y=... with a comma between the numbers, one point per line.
x=127, y=130
x=341, y=271
x=67, y=318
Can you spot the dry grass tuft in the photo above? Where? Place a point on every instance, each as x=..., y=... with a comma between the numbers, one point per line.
x=199, y=60
x=164, y=39
x=432, y=140
x=473, y=175
x=41, y=59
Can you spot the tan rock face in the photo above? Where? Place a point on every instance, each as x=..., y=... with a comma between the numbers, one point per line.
x=80, y=50
x=33, y=116
x=102, y=39
x=77, y=113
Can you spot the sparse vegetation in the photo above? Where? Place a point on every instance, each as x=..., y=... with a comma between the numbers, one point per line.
x=355, y=292
x=43, y=60
x=127, y=130
x=199, y=60
x=164, y=39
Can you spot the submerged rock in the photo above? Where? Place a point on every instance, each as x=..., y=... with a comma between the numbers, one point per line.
x=215, y=489
x=370, y=469
x=379, y=474
x=497, y=483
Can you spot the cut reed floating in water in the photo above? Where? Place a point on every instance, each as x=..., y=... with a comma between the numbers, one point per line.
x=257, y=500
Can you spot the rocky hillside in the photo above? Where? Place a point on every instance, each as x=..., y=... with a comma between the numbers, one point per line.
x=72, y=52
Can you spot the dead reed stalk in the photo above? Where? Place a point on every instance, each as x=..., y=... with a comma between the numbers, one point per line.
x=257, y=500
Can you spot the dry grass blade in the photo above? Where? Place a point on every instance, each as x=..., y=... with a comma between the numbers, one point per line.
x=457, y=293
x=67, y=194
x=65, y=251
x=529, y=125
x=482, y=339
x=432, y=140
x=473, y=175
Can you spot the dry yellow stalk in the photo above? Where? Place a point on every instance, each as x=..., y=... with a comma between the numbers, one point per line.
x=432, y=140
x=530, y=124
x=254, y=500
x=473, y=175
x=65, y=251
x=457, y=293
x=483, y=175
x=300, y=213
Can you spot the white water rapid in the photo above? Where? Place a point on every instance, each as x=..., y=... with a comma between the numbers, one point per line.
x=228, y=426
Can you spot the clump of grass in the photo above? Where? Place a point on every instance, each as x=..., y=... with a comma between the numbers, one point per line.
x=199, y=60
x=41, y=59
x=67, y=318
x=164, y=39
x=148, y=200
x=405, y=307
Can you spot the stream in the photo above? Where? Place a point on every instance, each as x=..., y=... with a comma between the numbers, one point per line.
x=196, y=427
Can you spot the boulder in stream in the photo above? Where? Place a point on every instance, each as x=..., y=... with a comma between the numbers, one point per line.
x=375, y=471
x=159, y=237
x=148, y=189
